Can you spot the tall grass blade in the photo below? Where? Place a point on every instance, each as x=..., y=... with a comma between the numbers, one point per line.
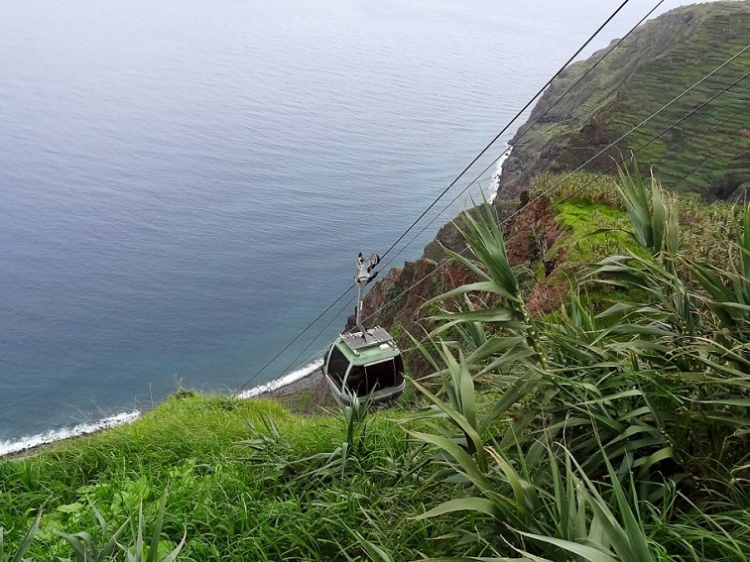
x=28, y=539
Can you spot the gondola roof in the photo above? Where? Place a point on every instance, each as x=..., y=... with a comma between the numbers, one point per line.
x=359, y=350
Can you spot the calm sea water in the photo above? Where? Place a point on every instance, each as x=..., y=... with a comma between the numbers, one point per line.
x=184, y=185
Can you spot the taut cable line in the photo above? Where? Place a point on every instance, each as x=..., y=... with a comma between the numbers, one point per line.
x=549, y=190
x=577, y=191
x=460, y=175
x=525, y=132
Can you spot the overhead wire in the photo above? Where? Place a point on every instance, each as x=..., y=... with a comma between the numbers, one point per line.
x=295, y=363
x=557, y=184
x=292, y=342
x=469, y=166
x=679, y=122
x=526, y=130
x=604, y=150
x=598, y=176
x=547, y=191
x=649, y=118
x=730, y=118
x=504, y=129
x=442, y=194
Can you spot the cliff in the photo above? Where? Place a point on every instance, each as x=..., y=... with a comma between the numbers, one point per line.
x=709, y=153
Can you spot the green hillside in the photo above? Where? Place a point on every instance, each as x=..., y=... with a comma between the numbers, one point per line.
x=612, y=428
x=709, y=153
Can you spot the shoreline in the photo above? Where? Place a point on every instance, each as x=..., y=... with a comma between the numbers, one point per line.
x=311, y=380
x=307, y=378
x=495, y=186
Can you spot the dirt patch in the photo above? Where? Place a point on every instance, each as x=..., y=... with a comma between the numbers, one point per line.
x=531, y=233
x=595, y=134
x=544, y=298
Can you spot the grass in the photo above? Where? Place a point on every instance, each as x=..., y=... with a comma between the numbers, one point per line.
x=233, y=498
x=628, y=426
x=587, y=217
x=586, y=203
x=303, y=402
x=613, y=429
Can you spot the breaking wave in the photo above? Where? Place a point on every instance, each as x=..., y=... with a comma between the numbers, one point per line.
x=10, y=447
x=286, y=380
x=495, y=186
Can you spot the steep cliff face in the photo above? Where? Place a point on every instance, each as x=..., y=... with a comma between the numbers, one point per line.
x=708, y=153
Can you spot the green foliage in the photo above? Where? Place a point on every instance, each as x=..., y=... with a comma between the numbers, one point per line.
x=654, y=218
x=632, y=410
x=139, y=552
x=496, y=276
x=25, y=543
x=591, y=204
x=247, y=481
x=706, y=154
x=85, y=547
x=729, y=289
x=604, y=431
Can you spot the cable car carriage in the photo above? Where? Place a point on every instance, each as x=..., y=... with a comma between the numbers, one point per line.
x=366, y=363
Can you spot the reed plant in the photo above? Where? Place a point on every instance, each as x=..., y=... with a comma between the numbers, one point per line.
x=18, y=555
x=622, y=422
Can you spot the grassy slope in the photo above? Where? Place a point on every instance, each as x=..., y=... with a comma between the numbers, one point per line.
x=693, y=156
x=655, y=64
x=234, y=502
x=248, y=480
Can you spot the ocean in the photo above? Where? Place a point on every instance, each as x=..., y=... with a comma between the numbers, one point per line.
x=185, y=185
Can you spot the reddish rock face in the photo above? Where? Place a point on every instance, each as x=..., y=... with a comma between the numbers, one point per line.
x=396, y=300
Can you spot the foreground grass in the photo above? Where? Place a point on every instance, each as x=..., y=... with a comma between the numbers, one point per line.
x=245, y=480
x=628, y=407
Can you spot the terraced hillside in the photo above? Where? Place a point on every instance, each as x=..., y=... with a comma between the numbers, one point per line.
x=708, y=152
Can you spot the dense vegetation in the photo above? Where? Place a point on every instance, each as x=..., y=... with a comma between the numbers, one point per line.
x=708, y=153
x=244, y=480
x=615, y=428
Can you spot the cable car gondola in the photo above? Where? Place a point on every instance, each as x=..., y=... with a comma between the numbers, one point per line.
x=367, y=362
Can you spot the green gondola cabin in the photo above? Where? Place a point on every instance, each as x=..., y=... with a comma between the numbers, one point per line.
x=368, y=365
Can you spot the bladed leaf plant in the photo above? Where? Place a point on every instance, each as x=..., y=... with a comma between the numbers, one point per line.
x=17, y=556
x=592, y=416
